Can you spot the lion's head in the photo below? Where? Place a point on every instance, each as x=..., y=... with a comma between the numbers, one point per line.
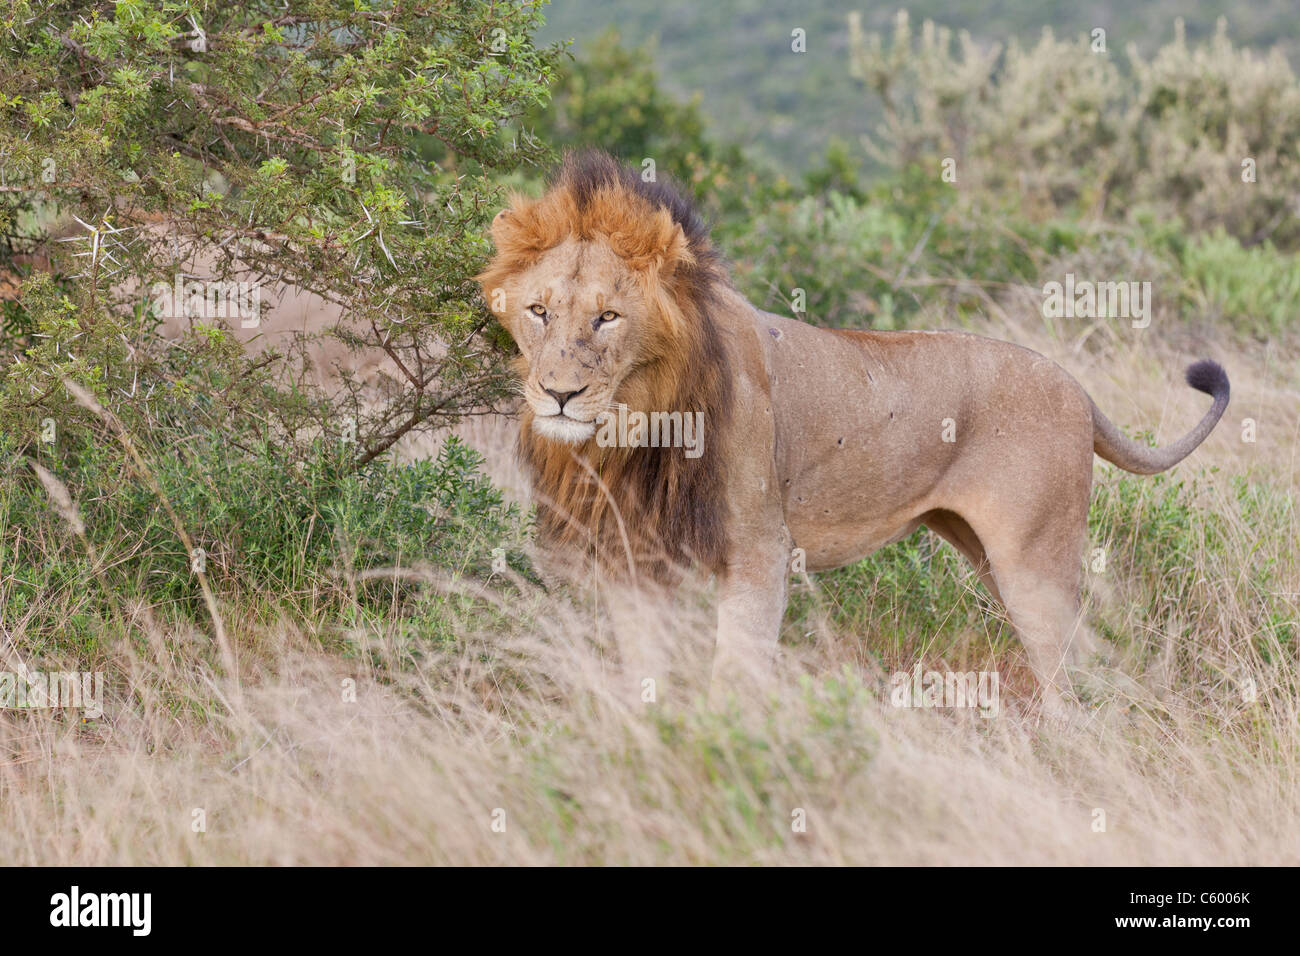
x=607, y=284
x=583, y=322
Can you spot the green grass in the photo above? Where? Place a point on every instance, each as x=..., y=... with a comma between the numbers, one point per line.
x=279, y=536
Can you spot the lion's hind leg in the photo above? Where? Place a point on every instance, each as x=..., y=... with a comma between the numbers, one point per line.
x=1040, y=611
x=955, y=529
x=1031, y=562
x=1038, y=572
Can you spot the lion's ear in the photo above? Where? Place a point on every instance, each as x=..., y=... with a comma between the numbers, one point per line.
x=502, y=227
x=523, y=228
x=675, y=248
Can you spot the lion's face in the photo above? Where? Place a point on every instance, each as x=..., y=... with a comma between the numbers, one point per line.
x=582, y=323
x=607, y=283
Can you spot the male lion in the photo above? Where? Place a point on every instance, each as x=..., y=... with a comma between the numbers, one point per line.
x=835, y=442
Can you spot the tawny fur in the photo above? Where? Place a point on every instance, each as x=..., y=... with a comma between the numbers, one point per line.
x=648, y=514
x=830, y=442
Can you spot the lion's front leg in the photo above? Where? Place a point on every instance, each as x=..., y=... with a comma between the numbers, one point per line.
x=751, y=603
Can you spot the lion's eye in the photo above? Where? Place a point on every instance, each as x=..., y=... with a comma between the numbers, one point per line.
x=609, y=315
x=538, y=310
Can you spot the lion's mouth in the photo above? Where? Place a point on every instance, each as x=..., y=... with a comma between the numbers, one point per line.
x=560, y=427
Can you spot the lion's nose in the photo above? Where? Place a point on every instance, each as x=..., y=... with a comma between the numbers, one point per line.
x=563, y=397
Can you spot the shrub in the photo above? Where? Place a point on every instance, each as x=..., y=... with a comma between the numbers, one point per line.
x=345, y=149
x=1059, y=126
x=267, y=529
x=876, y=261
x=1255, y=289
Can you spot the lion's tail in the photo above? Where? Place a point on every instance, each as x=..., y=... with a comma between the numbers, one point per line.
x=1113, y=445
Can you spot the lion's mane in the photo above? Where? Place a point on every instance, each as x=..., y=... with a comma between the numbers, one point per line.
x=650, y=511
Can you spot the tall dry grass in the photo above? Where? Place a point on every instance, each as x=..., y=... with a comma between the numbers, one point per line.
x=531, y=728
x=523, y=743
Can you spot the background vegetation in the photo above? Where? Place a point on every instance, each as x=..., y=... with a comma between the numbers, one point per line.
x=788, y=108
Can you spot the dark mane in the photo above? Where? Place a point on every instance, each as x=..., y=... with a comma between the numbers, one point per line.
x=585, y=171
x=651, y=508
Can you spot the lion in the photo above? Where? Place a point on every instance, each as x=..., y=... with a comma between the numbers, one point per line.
x=832, y=442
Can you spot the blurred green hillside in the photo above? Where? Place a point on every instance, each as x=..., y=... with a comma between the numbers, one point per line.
x=736, y=54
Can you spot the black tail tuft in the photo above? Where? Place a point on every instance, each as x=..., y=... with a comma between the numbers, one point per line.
x=1208, y=377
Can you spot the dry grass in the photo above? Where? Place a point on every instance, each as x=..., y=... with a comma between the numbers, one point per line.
x=527, y=714
x=287, y=771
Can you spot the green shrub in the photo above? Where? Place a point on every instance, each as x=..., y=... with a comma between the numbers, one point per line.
x=879, y=260
x=611, y=98
x=1193, y=566
x=346, y=149
x=1060, y=128
x=1255, y=290
x=274, y=529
